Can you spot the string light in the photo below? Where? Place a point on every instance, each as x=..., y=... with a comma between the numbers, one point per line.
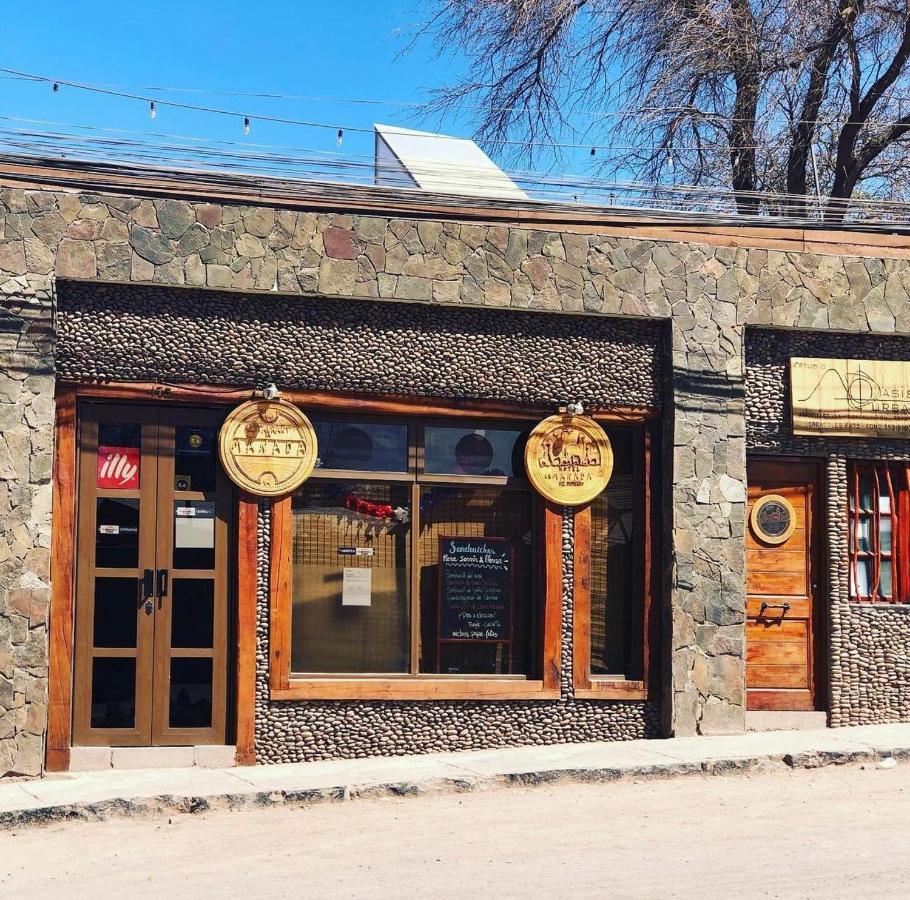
x=340, y=138
x=153, y=111
x=56, y=87
x=246, y=124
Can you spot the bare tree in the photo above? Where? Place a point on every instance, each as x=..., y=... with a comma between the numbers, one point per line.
x=774, y=99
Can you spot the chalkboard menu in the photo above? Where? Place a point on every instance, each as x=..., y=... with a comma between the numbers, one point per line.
x=475, y=589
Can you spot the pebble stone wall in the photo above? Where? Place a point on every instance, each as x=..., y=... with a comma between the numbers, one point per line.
x=165, y=335
x=707, y=293
x=303, y=731
x=869, y=644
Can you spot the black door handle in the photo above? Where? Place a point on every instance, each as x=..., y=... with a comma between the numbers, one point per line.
x=783, y=607
x=148, y=590
x=162, y=586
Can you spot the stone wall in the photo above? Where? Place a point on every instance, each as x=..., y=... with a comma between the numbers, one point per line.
x=709, y=293
x=869, y=644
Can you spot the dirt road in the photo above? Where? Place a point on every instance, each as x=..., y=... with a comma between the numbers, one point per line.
x=823, y=833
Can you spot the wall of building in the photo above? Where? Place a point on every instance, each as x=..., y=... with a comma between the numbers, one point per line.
x=869, y=644
x=708, y=293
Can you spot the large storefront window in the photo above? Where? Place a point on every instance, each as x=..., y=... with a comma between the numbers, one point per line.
x=411, y=553
x=879, y=533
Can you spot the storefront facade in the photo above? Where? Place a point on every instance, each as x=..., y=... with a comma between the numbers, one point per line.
x=145, y=600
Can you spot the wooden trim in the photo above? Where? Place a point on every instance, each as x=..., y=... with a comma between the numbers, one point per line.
x=590, y=687
x=63, y=556
x=410, y=688
x=552, y=599
x=247, y=598
x=346, y=402
x=280, y=568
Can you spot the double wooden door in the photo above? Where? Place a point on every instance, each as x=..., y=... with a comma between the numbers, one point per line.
x=151, y=579
x=782, y=583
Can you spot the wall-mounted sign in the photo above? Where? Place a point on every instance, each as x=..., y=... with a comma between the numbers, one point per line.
x=569, y=459
x=773, y=519
x=267, y=447
x=850, y=397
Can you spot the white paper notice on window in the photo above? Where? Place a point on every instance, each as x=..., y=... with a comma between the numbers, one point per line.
x=357, y=587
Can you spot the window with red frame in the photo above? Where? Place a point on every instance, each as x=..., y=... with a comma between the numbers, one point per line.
x=879, y=537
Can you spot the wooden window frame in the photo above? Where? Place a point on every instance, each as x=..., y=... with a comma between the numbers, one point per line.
x=287, y=685
x=883, y=473
x=587, y=686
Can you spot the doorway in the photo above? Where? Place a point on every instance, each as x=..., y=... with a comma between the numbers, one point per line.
x=152, y=577
x=783, y=574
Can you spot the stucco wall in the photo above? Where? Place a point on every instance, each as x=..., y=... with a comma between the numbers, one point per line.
x=709, y=293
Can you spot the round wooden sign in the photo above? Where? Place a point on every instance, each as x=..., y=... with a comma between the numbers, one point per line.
x=773, y=519
x=569, y=459
x=267, y=447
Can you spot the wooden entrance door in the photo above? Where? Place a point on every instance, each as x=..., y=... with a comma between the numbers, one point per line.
x=151, y=578
x=782, y=572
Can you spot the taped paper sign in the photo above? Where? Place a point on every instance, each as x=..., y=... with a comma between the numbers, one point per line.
x=194, y=526
x=357, y=587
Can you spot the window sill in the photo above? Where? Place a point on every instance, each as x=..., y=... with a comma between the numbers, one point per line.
x=611, y=689
x=414, y=689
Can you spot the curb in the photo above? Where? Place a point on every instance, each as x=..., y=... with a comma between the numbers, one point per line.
x=173, y=804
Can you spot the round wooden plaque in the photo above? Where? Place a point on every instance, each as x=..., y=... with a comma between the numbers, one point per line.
x=569, y=459
x=267, y=447
x=773, y=519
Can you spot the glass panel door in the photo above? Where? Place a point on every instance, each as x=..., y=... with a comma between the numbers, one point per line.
x=190, y=629
x=115, y=624
x=152, y=579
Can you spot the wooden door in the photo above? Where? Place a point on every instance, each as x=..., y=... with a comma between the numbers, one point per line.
x=782, y=571
x=152, y=578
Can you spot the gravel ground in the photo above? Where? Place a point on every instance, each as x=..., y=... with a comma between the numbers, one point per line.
x=833, y=832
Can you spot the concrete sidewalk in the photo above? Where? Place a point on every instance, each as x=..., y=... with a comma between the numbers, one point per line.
x=98, y=795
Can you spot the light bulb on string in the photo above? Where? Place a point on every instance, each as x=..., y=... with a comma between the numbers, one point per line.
x=56, y=87
x=246, y=124
x=340, y=138
x=153, y=111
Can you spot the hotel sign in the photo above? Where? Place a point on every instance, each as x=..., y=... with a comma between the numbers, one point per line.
x=267, y=447
x=850, y=397
x=569, y=459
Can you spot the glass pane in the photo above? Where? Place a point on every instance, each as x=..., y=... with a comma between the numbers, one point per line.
x=195, y=460
x=351, y=565
x=192, y=612
x=113, y=693
x=118, y=455
x=864, y=535
x=194, y=534
x=474, y=451
x=117, y=538
x=191, y=693
x=865, y=490
x=476, y=581
x=617, y=608
x=861, y=586
x=117, y=602
x=365, y=446
x=884, y=534
x=884, y=584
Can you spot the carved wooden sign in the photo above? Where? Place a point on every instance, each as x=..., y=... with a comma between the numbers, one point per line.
x=267, y=447
x=850, y=397
x=569, y=459
x=773, y=519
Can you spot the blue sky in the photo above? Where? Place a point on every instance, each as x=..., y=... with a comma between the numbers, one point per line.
x=342, y=49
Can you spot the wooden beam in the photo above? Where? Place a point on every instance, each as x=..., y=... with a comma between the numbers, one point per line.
x=280, y=595
x=63, y=544
x=552, y=615
x=247, y=598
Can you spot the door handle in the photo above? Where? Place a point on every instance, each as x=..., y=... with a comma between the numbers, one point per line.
x=162, y=586
x=783, y=607
x=148, y=589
